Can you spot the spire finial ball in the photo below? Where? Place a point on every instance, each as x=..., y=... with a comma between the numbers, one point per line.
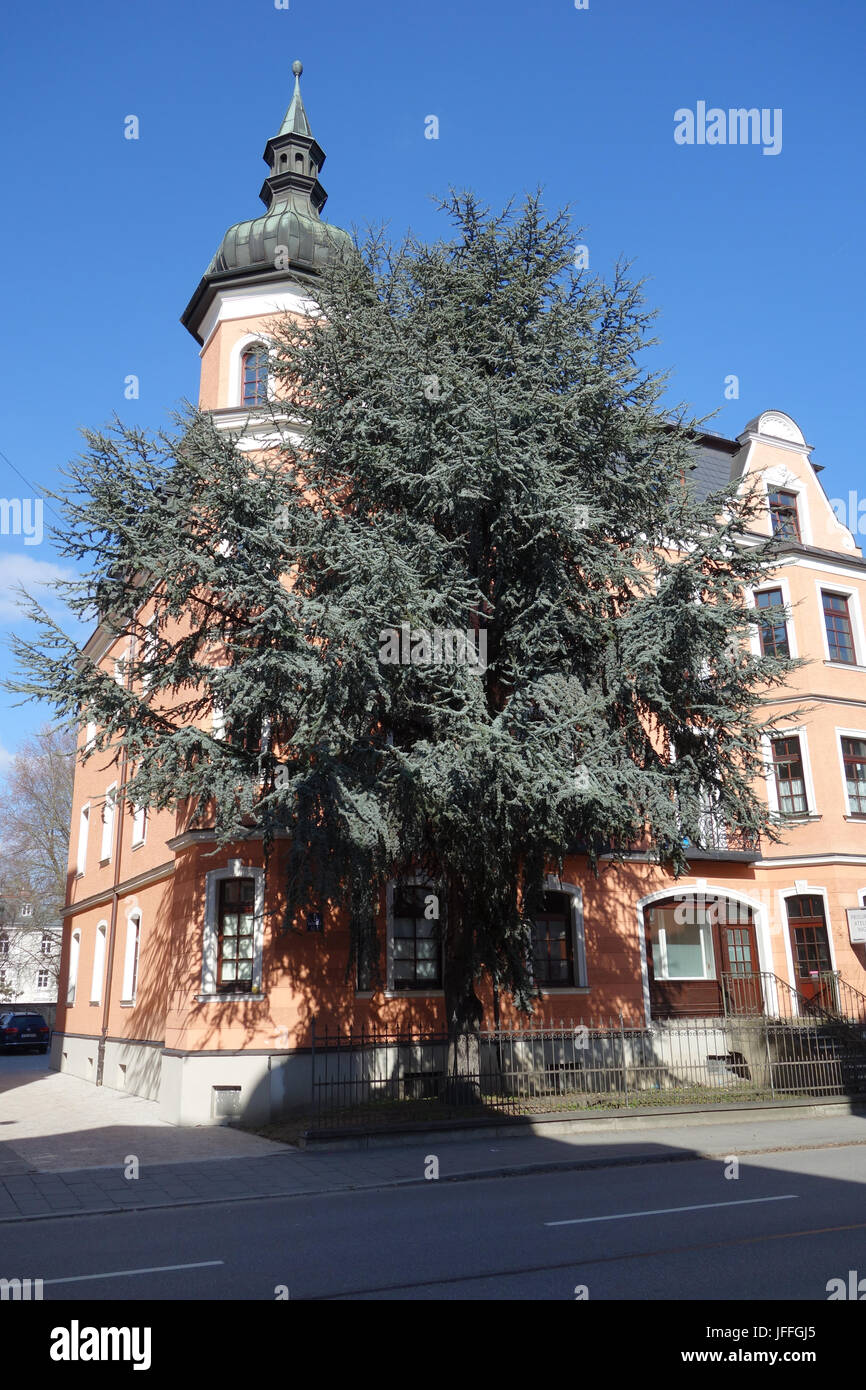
x=297, y=67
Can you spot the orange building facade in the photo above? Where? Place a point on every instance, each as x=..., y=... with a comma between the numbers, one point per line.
x=175, y=986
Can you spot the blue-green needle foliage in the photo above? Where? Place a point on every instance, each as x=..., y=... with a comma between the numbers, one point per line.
x=470, y=442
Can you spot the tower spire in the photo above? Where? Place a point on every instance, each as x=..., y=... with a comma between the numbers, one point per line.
x=295, y=158
x=295, y=120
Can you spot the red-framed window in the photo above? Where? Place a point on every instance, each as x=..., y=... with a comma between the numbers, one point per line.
x=254, y=375
x=840, y=635
x=854, y=756
x=774, y=632
x=783, y=514
x=808, y=929
x=790, y=776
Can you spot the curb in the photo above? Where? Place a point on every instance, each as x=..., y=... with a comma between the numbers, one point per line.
x=557, y=1122
x=517, y=1170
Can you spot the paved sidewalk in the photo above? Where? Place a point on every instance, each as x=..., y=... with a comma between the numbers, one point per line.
x=51, y=1121
x=292, y=1172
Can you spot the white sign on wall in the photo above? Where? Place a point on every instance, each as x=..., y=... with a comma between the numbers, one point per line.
x=857, y=925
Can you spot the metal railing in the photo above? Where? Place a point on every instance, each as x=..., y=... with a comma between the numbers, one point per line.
x=824, y=995
x=380, y=1077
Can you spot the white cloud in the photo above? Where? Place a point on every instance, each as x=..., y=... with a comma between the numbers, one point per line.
x=32, y=575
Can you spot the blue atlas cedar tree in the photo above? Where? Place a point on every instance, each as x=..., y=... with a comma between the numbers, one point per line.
x=475, y=447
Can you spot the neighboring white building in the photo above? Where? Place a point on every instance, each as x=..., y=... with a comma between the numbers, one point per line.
x=29, y=958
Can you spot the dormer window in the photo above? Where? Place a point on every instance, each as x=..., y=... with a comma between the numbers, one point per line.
x=783, y=514
x=254, y=375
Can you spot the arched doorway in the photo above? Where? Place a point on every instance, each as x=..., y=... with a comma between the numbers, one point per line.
x=702, y=956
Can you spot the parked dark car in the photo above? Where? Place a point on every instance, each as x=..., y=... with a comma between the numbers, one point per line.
x=18, y=1032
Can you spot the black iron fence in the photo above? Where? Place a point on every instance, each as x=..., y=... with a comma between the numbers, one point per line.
x=381, y=1077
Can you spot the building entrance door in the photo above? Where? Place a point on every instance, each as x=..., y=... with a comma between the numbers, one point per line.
x=736, y=949
x=810, y=949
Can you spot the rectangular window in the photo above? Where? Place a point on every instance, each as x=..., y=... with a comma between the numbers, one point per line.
x=552, y=942
x=790, y=777
x=4, y=945
x=774, y=632
x=236, y=934
x=681, y=941
x=108, y=808
x=83, y=830
x=43, y=979
x=74, y=952
x=808, y=929
x=416, y=941
x=148, y=654
x=837, y=620
x=130, y=960
x=98, y=964
x=139, y=825
x=854, y=756
x=26, y=909
x=783, y=514
x=46, y=946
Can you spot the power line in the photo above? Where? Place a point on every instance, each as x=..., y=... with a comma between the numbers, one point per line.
x=34, y=486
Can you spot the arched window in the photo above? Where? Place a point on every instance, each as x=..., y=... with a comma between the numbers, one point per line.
x=254, y=375
x=130, y=962
x=74, y=950
x=98, y=963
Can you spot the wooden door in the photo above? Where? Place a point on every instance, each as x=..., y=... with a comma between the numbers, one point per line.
x=810, y=949
x=736, y=947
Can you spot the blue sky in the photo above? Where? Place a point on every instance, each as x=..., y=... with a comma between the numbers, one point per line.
x=755, y=259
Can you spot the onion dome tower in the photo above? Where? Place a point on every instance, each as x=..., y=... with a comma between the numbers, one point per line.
x=289, y=241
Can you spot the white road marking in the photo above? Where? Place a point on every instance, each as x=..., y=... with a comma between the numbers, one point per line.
x=667, y=1211
x=124, y=1273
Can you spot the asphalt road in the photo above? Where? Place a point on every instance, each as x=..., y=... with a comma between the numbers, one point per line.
x=789, y=1223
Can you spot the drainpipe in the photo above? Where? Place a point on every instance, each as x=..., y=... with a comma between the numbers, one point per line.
x=120, y=807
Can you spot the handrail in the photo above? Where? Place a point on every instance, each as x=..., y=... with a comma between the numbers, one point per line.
x=739, y=997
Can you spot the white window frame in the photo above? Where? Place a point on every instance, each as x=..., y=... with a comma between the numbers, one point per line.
x=235, y=373
x=89, y=735
x=26, y=909
x=139, y=826
x=149, y=645
x=436, y=991
x=552, y=884
x=131, y=957
x=811, y=812
x=83, y=836
x=790, y=626
x=855, y=614
x=74, y=961
x=760, y=920
x=781, y=480
x=803, y=889
x=98, y=972
x=708, y=958
x=47, y=984
x=840, y=734
x=109, y=811
x=210, y=942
